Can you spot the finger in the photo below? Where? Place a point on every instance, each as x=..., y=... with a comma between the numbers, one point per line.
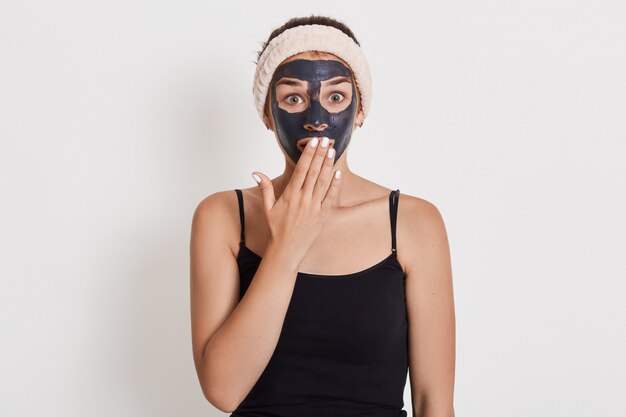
x=315, y=168
x=302, y=167
x=325, y=176
x=331, y=195
x=267, y=191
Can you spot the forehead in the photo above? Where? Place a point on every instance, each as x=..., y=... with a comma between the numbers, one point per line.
x=312, y=69
x=314, y=55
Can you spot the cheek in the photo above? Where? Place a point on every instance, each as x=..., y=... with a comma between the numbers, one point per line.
x=290, y=124
x=346, y=116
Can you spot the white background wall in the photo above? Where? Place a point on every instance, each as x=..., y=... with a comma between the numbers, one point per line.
x=118, y=117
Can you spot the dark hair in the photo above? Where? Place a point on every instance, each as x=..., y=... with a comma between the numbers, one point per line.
x=307, y=20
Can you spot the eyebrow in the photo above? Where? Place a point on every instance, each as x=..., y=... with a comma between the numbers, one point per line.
x=339, y=81
x=293, y=82
x=297, y=82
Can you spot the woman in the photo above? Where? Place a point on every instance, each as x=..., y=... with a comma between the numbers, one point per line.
x=313, y=293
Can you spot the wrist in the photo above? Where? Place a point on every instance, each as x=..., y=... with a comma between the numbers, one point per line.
x=283, y=255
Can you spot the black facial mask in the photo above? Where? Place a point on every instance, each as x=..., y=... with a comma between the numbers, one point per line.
x=290, y=126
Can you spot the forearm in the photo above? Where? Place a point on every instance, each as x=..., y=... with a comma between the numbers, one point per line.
x=239, y=351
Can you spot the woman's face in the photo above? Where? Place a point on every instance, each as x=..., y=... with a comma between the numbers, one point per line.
x=313, y=95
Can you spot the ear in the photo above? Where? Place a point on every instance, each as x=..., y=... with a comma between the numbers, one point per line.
x=359, y=118
x=268, y=122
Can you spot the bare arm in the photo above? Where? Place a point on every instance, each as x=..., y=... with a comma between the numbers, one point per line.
x=233, y=341
x=430, y=310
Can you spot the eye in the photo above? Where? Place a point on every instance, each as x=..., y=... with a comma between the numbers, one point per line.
x=337, y=97
x=290, y=98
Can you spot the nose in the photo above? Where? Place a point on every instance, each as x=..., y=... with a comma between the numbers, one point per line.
x=315, y=118
x=315, y=127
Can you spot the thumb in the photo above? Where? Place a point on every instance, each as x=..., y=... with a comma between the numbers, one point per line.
x=267, y=190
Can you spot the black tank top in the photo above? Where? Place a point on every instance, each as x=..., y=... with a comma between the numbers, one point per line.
x=343, y=347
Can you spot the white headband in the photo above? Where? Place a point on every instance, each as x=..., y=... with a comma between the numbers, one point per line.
x=311, y=38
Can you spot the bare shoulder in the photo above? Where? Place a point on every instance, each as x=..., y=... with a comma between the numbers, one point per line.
x=416, y=212
x=216, y=215
x=420, y=230
x=215, y=203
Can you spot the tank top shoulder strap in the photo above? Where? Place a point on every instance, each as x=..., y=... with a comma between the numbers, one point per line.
x=393, y=213
x=241, y=216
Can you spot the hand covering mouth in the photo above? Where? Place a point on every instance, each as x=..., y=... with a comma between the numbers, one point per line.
x=304, y=141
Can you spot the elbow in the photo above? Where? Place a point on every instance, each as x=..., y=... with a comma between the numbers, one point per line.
x=216, y=392
x=218, y=400
x=217, y=386
x=433, y=410
x=432, y=406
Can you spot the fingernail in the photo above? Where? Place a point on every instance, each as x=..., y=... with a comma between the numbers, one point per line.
x=337, y=174
x=324, y=142
x=256, y=178
x=313, y=142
